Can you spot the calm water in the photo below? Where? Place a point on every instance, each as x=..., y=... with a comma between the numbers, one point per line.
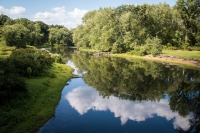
x=124, y=96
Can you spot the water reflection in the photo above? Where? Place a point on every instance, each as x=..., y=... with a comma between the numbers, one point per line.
x=138, y=80
x=143, y=96
x=85, y=98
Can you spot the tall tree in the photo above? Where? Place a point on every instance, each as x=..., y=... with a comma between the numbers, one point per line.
x=190, y=14
x=60, y=35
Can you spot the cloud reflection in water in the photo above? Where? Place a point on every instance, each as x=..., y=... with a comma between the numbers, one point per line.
x=85, y=98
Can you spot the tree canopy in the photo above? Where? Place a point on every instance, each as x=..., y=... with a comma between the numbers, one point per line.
x=132, y=28
x=22, y=31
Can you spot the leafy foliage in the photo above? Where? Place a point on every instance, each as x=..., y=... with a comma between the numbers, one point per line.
x=15, y=35
x=29, y=62
x=11, y=86
x=128, y=28
x=60, y=35
x=21, y=32
x=189, y=12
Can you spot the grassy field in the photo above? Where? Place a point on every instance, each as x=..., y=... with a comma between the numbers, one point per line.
x=30, y=113
x=185, y=54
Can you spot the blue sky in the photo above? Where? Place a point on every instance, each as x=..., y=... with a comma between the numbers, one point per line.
x=62, y=12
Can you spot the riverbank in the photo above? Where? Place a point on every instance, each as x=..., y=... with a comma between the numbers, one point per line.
x=168, y=59
x=178, y=57
x=30, y=113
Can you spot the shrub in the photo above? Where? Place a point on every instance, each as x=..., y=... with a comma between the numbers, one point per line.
x=29, y=62
x=56, y=58
x=117, y=48
x=152, y=46
x=141, y=51
x=11, y=85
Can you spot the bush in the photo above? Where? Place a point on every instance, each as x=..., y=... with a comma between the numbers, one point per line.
x=152, y=46
x=141, y=51
x=56, y=58
x=11, y=86
x=117, y=48
x=29, y=62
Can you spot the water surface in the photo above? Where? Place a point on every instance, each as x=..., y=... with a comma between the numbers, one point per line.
x=123, y=96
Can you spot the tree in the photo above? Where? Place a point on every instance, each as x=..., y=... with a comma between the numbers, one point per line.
x=3, y=19
x=189, y=11
x=60, y=35
x=36, y=36
x=44, y=30
x=15, y=35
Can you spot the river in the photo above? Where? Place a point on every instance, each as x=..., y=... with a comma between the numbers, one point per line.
x=116, y=95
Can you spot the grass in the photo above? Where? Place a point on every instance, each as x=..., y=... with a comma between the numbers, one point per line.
x=185, y=54
x=30, y=113
x=175, y=62
x=88, y=50
x=5, y=51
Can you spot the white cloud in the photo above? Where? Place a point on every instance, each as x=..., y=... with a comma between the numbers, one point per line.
x=15, y=10
x=60, y=16
x=85, y=98
x=77, y=13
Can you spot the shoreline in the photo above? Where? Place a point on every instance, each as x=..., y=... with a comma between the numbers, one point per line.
x=177, y=60
x=189, y=62
x=35, y=110
x=194, y=63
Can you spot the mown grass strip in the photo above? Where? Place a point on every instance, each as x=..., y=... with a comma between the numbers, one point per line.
x=180, y=53
x=176, y=53
x=30, y=113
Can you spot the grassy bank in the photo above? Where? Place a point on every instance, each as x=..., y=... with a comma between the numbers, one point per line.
x=175, y=53
x=180, y=53
x=30, y=113
x=188, y=64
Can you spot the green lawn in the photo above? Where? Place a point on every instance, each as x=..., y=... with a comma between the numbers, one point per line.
x=179, y=53
x=30, y=113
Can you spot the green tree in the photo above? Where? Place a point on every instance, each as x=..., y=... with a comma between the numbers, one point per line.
x=44, y=30
x=15, y=35
x=60, y=35
x=189, y=12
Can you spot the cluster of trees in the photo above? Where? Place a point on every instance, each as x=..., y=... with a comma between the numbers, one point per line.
x=20, y=32
x=23, y=63
x=140, y=80
x=27, y=61
x=141, y=29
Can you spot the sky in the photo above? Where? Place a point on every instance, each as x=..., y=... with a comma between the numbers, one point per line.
x=62, y=12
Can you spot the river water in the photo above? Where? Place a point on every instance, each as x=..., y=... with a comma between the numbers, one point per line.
x=115, y=95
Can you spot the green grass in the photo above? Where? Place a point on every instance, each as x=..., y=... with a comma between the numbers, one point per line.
x=30, y=113
x=185, y=54
x=88, y=50
x=5, y=51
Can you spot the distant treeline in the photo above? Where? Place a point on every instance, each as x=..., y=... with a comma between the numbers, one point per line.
x=21, y=32
x=141, y=29
x=135, y=29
